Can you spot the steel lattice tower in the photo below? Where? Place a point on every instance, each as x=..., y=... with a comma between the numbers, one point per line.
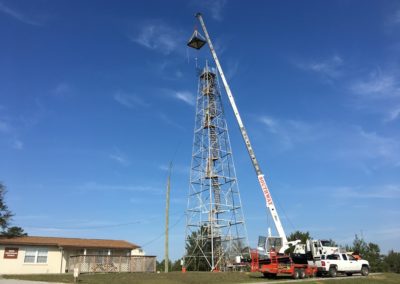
x=215, y=227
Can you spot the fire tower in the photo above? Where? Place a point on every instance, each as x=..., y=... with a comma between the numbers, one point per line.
x=215, y=228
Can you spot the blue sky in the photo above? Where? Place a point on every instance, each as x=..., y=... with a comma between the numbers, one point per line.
x=96, y=97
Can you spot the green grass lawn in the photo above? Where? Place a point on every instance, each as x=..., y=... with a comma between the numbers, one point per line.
x=192, y=278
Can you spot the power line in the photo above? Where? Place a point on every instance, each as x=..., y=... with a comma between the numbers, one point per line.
x=87, y=227
x=163, y=233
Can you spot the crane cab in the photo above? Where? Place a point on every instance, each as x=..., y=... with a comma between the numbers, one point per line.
x=267, y=244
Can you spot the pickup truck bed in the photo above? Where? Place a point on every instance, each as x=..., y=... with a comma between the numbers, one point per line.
x=332, y=264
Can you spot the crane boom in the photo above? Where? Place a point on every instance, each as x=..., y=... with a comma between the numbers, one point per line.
x=268, y=198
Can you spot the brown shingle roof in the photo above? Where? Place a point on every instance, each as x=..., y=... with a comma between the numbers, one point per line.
x=68, y=242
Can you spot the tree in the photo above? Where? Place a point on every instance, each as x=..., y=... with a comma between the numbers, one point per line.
x=6, y=217
x=177, y=266
x=391, y=262
x=298, y=235
x=13, y=232
x=160, y=266
x=368, y=251
x=172, y=266
x=197, y=245
x=5, y=213
x=333, y=243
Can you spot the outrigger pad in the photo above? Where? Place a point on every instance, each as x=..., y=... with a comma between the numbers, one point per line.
x=196, y=41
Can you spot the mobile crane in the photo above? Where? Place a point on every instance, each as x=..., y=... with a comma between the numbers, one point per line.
x=197, y=41
x=280, y=243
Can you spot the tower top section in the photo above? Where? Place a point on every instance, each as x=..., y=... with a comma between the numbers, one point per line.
x=208, y=73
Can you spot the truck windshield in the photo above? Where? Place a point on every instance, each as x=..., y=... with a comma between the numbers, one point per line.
x=326, y=243
x=333, y=257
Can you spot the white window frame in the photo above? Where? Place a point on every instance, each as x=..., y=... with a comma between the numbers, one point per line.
x=36, y=253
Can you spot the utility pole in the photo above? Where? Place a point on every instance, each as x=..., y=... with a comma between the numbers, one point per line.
x=166, y=256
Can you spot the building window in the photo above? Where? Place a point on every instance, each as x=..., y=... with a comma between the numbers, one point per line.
x=35, y=255
x=30, y=256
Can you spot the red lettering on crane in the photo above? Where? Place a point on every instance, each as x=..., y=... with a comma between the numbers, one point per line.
x=265, y=190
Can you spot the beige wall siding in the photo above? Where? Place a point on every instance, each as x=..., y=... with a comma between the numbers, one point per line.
x=17, y=266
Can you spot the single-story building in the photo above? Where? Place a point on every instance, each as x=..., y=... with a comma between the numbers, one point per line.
x=31, y=255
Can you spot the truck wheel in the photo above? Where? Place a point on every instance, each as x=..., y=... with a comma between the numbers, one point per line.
x=296, y=274
x=364, y=271
x=332, y=271
x=267, y=275
x=302, y=274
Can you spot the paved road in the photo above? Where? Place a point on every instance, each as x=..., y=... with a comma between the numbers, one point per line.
x=13, y=281
x=310, y=279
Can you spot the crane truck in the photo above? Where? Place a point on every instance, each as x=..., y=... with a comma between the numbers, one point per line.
x=270, y=255
x=196, y=41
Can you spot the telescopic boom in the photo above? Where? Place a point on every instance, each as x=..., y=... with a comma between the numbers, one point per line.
x=260, y=175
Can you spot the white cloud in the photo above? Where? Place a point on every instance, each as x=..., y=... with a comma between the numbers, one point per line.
x=32, y=217
x=393, y=19
x=185, y=96
x=4, y=126
x=83, y=226
x=352, y=144
x=216, y=8
x=119, y=157
x=176, y=169
x=166, y=69
x=270, y=123
x=178, y=74
x=129, y=100
x=17, y=144
x=11, y=132
x=378, y=92
x=232, y=69
x=212, y=7
x=377, y=86
x=17, y=15
x=393, y=114
x=93, y=186
x=388, y=191
x=369, y=149
x=160, y=37
x=61, y=90
x=396, y=19
x=330, y=67
x=290, y=132
x=384, y=147
x=166, y=119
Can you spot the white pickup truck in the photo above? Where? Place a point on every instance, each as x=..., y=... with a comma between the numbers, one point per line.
x=332, y=264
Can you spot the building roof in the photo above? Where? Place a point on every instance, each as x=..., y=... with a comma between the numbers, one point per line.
x=68, y=242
